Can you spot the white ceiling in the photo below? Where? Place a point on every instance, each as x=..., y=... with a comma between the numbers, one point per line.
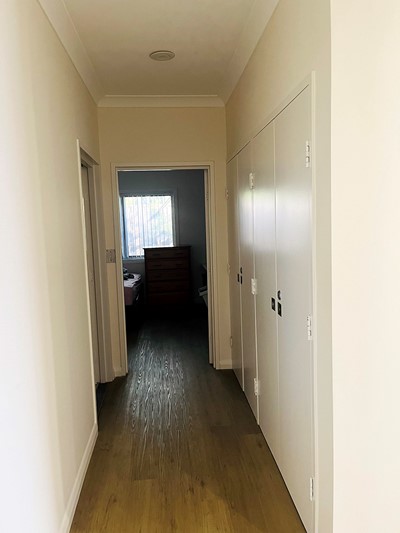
x=212, y=40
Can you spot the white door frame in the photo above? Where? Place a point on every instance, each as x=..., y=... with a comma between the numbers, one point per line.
x=105, y=369
x=209, y=182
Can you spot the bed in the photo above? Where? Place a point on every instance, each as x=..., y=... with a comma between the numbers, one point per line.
x=132, y=287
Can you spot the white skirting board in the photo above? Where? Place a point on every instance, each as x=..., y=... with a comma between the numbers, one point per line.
x=225, y=364
x=76, y=490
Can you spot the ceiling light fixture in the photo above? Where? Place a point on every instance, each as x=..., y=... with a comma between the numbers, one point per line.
x=162, y=55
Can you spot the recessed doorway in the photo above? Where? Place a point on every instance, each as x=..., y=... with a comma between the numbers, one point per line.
x=164, y=209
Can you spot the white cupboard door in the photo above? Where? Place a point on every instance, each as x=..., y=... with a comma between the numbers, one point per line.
x=245, y=196
x=294, y=285
x=265, y=272
x=234, y=263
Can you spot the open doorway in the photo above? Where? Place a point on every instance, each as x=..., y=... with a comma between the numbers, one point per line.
x=164, y=222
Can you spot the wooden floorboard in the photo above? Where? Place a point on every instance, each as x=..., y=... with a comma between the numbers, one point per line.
x=178, y=448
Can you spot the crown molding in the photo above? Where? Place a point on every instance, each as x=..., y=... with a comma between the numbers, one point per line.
x=161, y=101
x=61, y=21
x=64, y=27
x=256, y=23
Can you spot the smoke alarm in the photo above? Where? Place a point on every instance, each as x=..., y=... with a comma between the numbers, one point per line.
x=162, y=55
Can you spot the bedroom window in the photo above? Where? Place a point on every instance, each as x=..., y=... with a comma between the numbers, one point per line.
x=147, y=221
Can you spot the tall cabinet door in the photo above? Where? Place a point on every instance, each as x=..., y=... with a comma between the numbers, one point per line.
x=234, y=275
x=294, y=284
x=246, y=239
x=265, y=272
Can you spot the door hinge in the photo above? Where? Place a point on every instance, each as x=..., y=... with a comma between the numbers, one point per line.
x=308, y=154
x=309, y=328
x=311, y=489
x=253, y=286
x=228, y=269
x=231, y=341
x=251, y=180
x=226, y=194
x=256, y=387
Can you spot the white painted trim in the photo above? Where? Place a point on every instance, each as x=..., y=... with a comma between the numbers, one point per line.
x=119, y=372
x=85, y=264
x=256, y=23
x=161, y=101
x=210, y=302
x=315, y=308
x=225, y=364
x=122, y=370
x=212, y=263
x=105, y=360
x=61, y=21
x=76, y=489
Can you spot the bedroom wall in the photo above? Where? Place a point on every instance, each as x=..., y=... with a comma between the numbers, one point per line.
x=47, y=412
x=135, y=136
x=296, y=42
x=188, y=187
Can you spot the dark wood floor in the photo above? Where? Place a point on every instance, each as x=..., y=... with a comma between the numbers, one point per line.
x=178, y=448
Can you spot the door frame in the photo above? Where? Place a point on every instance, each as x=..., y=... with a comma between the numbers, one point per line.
x=105, y=369
x=210, y=212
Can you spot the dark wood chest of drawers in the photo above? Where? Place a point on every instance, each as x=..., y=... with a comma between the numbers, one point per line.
x=167, y=275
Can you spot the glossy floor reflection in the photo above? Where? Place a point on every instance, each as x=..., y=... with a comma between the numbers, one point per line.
x=178, y=448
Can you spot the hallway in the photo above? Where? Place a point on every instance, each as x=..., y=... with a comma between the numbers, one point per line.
x=178, y=447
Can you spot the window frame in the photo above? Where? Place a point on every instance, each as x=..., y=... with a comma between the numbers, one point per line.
x=173, y=193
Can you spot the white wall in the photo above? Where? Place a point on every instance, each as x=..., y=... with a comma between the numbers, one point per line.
x=135, y=136
x=296, y=42
x=366, y=264
x=47, y=411
x=188, y=189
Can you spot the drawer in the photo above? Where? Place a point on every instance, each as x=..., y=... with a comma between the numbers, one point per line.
x=168, y=286
x=168, y=298
x=166, y=253
x=167, y=275
x=167, y=264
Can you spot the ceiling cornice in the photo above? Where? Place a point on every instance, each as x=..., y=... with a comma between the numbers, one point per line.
x=64, y=27
x=161, y=101
x=60, y=19
x=256, y=23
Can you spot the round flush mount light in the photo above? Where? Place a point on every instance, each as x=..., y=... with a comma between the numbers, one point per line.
x=162, y=55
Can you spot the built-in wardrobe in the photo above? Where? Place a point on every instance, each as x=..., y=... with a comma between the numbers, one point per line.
x=270, y=243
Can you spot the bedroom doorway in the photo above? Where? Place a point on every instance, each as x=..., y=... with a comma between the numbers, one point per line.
x=164, y=219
